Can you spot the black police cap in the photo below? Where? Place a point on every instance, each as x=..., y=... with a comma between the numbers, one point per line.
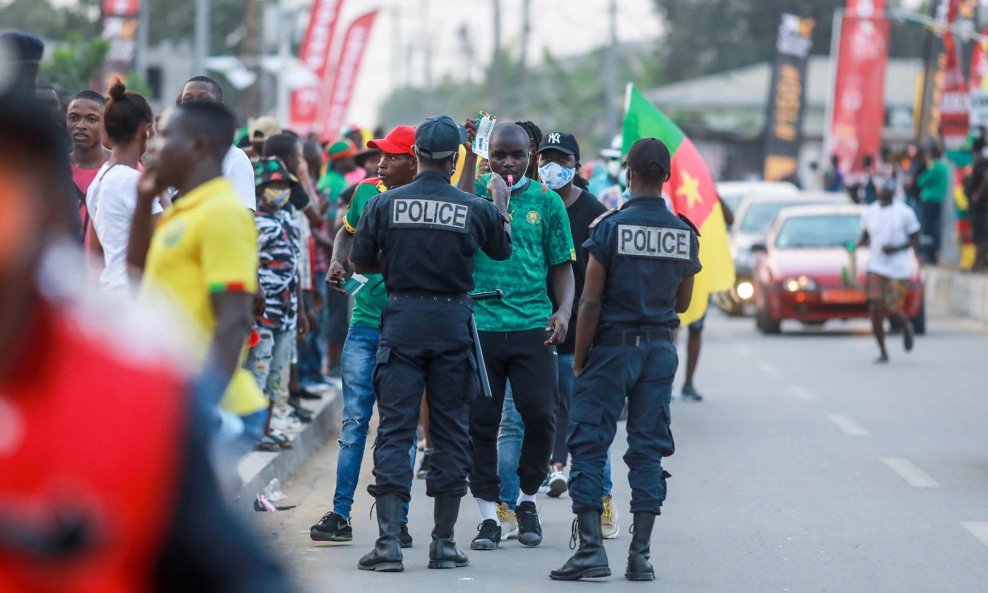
x=649, y=157
x=439, y=137
x=26, y=48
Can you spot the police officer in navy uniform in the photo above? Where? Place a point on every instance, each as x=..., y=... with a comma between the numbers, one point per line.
x=640, y=275
x=422, y=237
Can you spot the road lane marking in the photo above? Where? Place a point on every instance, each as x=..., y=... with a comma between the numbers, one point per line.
x=743, y=350
x=908, y=471
x=848, y=426
x=770, y=369
x=802, y=393
x=978, y=529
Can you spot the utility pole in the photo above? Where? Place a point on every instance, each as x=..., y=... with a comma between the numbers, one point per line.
x=249, y=55
x=202, y=30
x=495, y=75
x=613, y=68
x=396, y=45
x=143, y=22
x=467, y=51
x=285, y=17
x=428, y=47
x=520, y=90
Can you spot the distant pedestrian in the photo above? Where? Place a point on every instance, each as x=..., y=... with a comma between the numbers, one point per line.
x=891, y=229
x=933, y=183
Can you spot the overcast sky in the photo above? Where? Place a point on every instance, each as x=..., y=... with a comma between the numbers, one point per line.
x=563, y=27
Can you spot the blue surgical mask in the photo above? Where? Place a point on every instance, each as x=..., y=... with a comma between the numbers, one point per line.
x=276, y=198
x=555, y=175
x=520, y=183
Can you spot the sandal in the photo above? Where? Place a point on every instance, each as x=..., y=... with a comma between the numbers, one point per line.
x=269, y=445
x=280, y=438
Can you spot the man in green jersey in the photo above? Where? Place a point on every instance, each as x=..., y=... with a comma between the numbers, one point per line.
x=519, y=332
x=397, y=168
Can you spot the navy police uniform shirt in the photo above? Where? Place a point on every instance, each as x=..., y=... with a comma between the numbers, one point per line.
x=648, y=252
x=425, y=235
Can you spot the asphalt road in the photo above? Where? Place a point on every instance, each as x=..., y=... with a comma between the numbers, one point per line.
x=807, y=468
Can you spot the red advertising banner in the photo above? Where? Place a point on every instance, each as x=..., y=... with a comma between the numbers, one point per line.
x=955, y=102
x=120, y=24
x=352, y=54
x=314, y=53
x=859, y=90
x=121, y=7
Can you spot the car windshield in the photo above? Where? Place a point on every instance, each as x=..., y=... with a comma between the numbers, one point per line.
x=759, y=215
x=822, y=231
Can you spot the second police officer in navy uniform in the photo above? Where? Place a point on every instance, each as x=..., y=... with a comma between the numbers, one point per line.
x=422, y=237
x=640, y=275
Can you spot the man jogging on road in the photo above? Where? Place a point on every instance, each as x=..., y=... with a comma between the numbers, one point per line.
x=891, y=229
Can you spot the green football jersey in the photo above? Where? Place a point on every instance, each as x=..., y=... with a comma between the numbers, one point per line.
x=540, y=239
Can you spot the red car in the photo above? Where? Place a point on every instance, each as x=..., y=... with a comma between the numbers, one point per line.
x=802, y=270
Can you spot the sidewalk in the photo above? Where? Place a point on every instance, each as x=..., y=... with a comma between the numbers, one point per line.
x=950, y=291
x=258, y=468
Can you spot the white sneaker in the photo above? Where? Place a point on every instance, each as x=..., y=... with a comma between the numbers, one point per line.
x=544, y=488
x=609, y=527
x=557, y=483
x=285, y=423
x=509, y=523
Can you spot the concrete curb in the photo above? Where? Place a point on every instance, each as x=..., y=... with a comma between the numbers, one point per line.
x=258, y=468
x=953, y=292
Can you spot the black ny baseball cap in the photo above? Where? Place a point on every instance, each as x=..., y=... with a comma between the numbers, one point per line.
x=561, y=141
x=649, y=157
x=439, y=137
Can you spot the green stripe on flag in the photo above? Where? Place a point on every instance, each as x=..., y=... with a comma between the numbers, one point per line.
x=642, y=119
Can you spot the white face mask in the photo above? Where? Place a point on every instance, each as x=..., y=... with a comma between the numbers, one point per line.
x=555, y=175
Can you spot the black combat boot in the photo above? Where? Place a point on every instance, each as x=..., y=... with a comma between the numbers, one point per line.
x=443, y=552
x=639, y=568
x=590, y=561
x=386, y=555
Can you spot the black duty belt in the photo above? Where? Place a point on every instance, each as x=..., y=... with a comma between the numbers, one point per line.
x=632, y=338
x=460, y=298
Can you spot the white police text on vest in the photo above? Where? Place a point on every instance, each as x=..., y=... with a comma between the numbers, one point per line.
x=649, y=241
x=420, y=212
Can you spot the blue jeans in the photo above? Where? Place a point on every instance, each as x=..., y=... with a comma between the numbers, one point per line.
x=513, y=429
x=312, y=350
x=359, y=359
x=267, y=360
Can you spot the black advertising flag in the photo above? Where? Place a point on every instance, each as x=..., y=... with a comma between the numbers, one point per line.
x=787, y=97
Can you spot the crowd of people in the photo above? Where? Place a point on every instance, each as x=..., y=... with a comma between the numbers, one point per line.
x=288, y=263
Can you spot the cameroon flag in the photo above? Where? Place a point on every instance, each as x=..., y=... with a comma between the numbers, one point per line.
x=691, y=190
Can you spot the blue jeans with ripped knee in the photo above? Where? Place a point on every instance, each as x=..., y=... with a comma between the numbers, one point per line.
x=359, y=358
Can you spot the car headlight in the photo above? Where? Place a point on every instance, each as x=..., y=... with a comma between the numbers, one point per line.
x=799, y=283
x=745, y=290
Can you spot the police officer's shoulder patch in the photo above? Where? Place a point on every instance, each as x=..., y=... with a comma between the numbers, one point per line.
x=598, y=220
x=690, y=224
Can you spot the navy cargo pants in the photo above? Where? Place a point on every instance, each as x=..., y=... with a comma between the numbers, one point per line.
x=416, y=354
x=644, y=375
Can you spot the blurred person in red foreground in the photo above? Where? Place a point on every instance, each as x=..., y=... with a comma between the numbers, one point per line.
x=117, y=497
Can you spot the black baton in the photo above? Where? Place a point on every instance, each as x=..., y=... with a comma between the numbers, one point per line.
x=478, y=352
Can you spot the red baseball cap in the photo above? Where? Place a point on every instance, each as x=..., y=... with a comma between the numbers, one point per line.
x=398, y=141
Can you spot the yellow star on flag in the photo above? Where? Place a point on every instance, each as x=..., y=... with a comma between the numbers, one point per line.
x=690, y=188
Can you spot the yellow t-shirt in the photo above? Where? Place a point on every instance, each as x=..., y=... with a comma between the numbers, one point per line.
x=207, y=243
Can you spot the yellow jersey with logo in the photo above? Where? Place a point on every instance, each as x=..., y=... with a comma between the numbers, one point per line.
x=206, y=244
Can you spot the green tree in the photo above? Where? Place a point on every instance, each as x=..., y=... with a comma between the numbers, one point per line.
x=75, y=65
x=42, y=18
x=744, y=33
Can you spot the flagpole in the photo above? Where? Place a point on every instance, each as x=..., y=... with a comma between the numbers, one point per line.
x=835, y=33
